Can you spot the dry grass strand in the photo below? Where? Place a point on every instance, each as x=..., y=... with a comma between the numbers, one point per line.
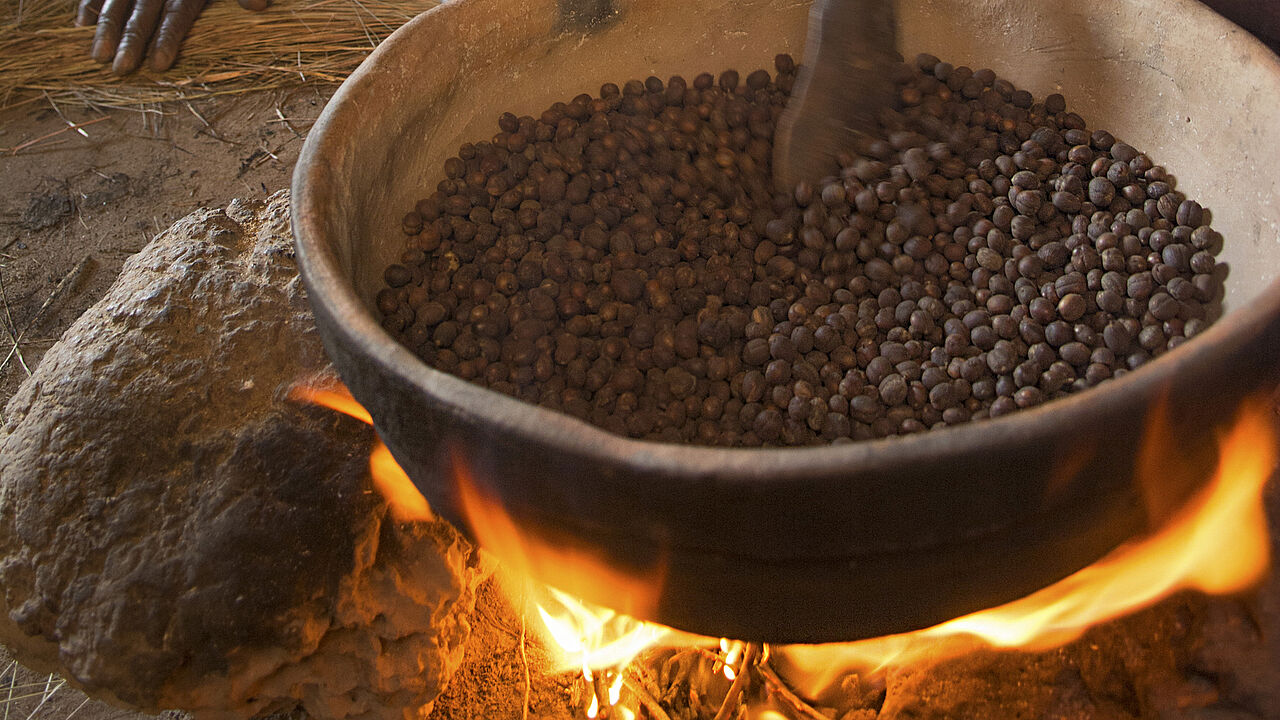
x=229, y=51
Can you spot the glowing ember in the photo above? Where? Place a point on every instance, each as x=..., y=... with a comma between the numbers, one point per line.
x=732, y=654
x=1217, y=543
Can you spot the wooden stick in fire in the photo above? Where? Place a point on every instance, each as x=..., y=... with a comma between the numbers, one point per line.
x=739, y=682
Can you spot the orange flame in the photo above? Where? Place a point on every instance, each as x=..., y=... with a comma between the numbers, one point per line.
x=585, y=637
x=578, y=571
x=402, y=496
x=589, y=636
x=337, y=397
x=1217, y=543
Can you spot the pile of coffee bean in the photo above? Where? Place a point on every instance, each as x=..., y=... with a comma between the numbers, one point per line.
x=626, y=259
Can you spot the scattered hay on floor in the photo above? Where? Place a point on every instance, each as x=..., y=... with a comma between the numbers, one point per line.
x=230, y=50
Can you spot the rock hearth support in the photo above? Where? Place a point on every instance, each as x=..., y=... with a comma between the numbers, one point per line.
x=175, y=533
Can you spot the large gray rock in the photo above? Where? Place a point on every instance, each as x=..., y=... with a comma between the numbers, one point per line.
x=176, y=533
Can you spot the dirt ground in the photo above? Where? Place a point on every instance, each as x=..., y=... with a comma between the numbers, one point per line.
x=73, y=208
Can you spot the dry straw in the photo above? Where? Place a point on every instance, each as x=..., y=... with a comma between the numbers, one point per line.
x=230, y=50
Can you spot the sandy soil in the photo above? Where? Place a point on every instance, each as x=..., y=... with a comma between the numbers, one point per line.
x=72, y=209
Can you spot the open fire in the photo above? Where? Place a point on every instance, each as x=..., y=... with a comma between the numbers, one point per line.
x=1216, y=543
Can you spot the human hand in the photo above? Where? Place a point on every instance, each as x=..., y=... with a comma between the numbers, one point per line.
x=130, y=29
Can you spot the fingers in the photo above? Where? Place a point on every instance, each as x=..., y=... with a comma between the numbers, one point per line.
x=110, y=25
x=178, y=18
x=88, y=11
x=137, y=35
x=127, y=30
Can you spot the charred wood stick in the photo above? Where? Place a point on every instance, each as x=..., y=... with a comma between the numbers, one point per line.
x=739, y=682
x=524, y=656
x=646, y=698
x=779, y=687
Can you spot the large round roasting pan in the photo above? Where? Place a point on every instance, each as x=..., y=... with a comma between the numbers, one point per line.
x=816, y=544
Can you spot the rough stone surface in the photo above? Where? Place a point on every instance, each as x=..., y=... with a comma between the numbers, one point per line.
x=176, y=533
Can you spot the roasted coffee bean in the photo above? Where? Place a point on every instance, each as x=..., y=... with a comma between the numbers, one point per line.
x=625, y=259
x=893, y=390
x=1163, y=306
x=1101, y=191
x=397, y=276
x=1072, y=307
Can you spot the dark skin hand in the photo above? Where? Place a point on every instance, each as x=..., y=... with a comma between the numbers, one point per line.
x=129, y=30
